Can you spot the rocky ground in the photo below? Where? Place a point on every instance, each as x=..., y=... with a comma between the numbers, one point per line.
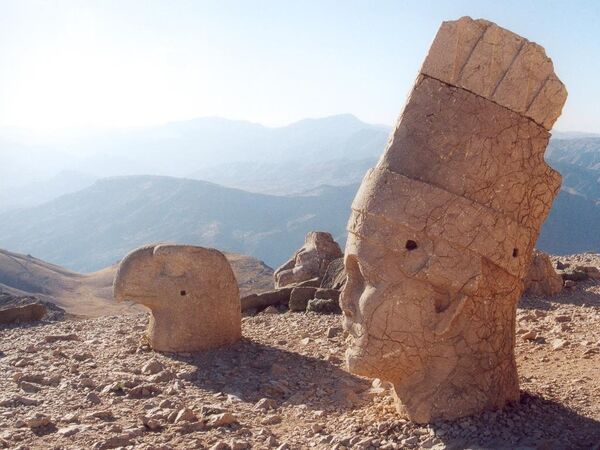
x=95, y=384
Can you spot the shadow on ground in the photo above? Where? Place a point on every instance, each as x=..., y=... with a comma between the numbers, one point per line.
x=250, y=371
x=578, y=296
x=533, y=423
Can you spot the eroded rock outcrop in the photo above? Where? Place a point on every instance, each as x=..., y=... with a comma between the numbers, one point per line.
x=191, y=291
x=310, y=262
x=20, y=309
x=541, y=277
x=442, y=229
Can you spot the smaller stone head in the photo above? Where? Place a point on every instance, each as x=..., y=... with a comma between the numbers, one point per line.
x=310, y=261
x=191, y=292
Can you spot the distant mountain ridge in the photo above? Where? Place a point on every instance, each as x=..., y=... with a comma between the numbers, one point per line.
x=95, y=227
x=250, y=189
x=91, y=294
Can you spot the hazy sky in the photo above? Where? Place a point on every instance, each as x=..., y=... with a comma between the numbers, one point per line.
x=132, y=63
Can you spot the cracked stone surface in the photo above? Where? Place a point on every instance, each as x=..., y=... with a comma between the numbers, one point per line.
x=191, y=291
x=442, y=230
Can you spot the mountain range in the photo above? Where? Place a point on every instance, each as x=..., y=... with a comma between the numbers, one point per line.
x=237, y=186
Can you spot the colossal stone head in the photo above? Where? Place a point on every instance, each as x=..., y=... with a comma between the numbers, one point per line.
x=442, y=229
x=191, y=292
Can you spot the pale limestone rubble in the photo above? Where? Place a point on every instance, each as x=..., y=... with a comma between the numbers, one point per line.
x=191, y=292
x=442, y=230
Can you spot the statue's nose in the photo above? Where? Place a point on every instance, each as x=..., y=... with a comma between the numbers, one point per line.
x=355, y=285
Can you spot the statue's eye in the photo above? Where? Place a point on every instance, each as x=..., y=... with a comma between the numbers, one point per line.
x=411, y=245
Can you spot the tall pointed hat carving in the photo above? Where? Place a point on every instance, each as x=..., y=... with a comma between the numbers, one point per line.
x=442, y=229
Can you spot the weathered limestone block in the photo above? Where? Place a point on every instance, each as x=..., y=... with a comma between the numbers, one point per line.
x=335, y=276
x=30, y=312
x=299, y=298
x=442, y=230
x=498, y=65
x=541, y=277
x=264, y=299
x=191, y=292
x=311, y=261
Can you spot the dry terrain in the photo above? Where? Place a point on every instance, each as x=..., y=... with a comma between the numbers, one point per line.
x=94, y=384
x=91, y=294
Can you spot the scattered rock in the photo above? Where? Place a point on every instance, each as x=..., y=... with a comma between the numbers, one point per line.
x=221, y=420
x=61, y=337
x=38, y=420
x=542, y=279
x=152, y=367
x=299, y=298
x=323, y=306
x=265, y=299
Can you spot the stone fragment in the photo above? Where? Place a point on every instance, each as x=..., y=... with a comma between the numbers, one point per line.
x=530, y=335
x=591, y=271
x=38, y=420
x=328, y=294
x=29, y=387
x=271, y=310
x=191, y=291
x=185, y=415
x=299, y=298
x=333, y=332
x=152, y=367
x=265, y=404
x=221, y=420
x=442, y=230
x=22, y=313
x=265, y=299
x=93, y=398
x=335, y=275
x=323, y=306
x=542, y=279
x=311, y=261
x=18, y=400
x=61, y=337
x=573, y=274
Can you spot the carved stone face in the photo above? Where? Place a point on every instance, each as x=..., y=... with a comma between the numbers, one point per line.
x=424, y=335
x=405, y=311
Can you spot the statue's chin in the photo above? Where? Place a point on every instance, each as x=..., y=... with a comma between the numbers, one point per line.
x=357, y=363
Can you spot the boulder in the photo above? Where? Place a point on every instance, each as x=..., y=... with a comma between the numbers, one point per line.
x=191, y=292
x=264, y=299
x=26, y=313
x=442, y=230
x=323, y=306
x=335, y=275
x=299, y=298
x=17, y=309
x=542, y=279
x=311, y=261
x=328, y=294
